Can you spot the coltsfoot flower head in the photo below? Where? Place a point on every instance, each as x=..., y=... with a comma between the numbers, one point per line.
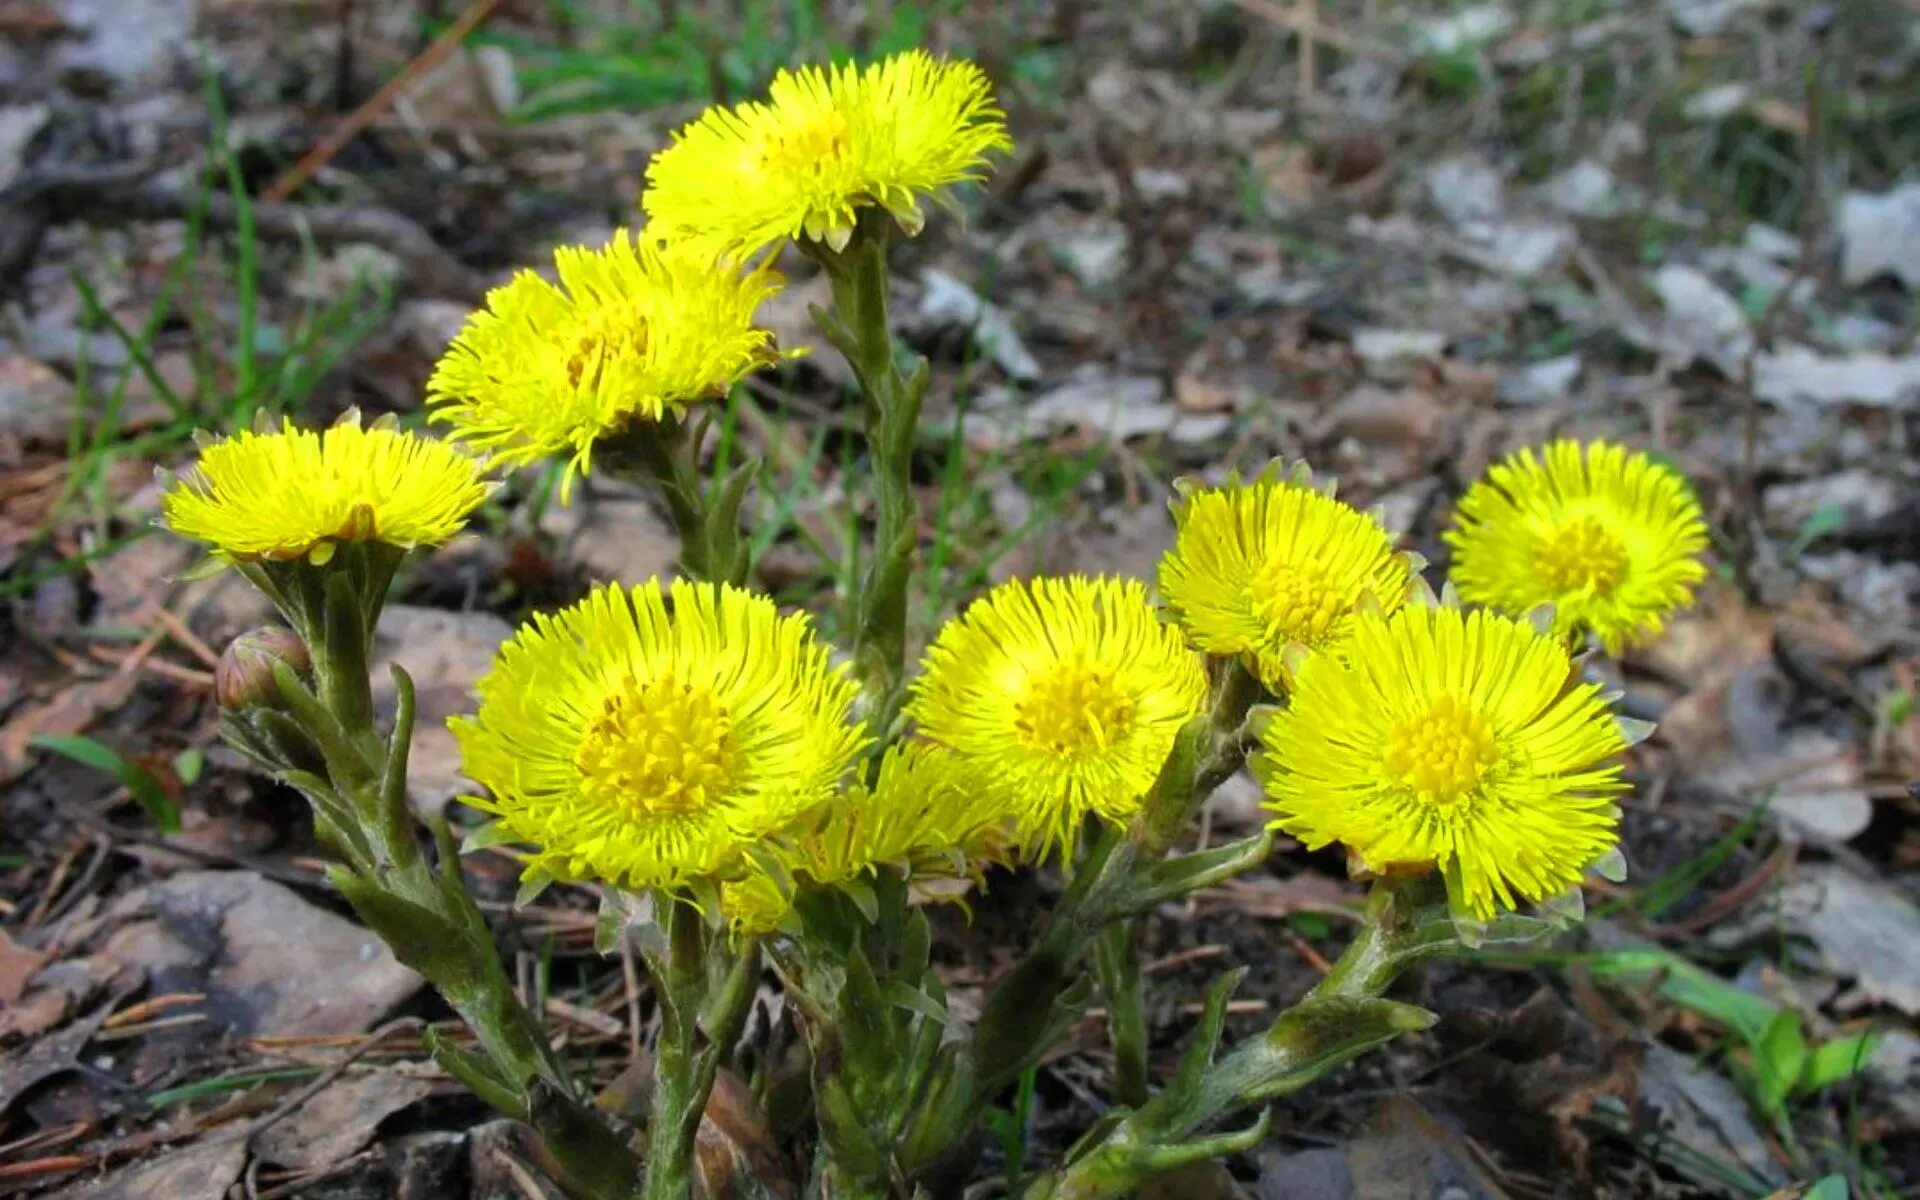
x=826, y=143
x=292, y=493
x=1459, y=740
x=640, y=745
x=1263, y=568
x=1063, y=695
x=923, y=816
x=1609, y=537
x=634, y=330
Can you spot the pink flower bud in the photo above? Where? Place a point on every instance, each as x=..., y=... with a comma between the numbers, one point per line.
x=244, y=676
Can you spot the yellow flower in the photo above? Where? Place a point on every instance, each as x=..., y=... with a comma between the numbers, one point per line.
x=1264, y=568
x=633, y=331
x=643, y=747
x=922, y=817
x=826, y=144
x=1063, y=695
x=1463, y=740
x=1607, y=536
x=296, y=493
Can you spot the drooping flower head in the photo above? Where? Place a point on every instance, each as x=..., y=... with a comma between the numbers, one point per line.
x=1609, y=537
x=923, y=817
x=1266, y=568
x=292, y=493
x=1460, y=740
x=825, y=144
x=1065, y=695
x=634, y=330
x=639, y=744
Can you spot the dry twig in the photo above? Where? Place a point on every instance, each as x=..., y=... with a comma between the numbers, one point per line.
x=330, y=145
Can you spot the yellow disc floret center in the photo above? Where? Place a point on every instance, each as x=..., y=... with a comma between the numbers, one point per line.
x=1296, y=601
x=1072, y=707
x=1582, y=554
x=807, y=146
x=659, y=748
x=590, y=346
x=1442, y=753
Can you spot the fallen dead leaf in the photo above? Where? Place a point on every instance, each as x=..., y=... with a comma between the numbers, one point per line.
x=1703, y=323
x=946, y=302
x=1703, y=1111
x=1800, y=375
x=55, y=1053
x=36, y=402
x=1703, y=649
x=339, y=1121
x=1859, y=929
x=1096, y=402
x=1880, y=235
x=735, y=1151
x=1197, y=395
x=33, y=1014
x=17, y=965
x=207, y=1169
x=1400, y=424
x=72, y=710
x=1405, y=1155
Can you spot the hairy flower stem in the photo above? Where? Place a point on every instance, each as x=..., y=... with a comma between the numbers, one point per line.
x=858, y=327
x=677, y=1104
x=1235, y=693
x=1343, y=1017
x=1116, y=958
x=665, y=454
x=1027, y=1011
x=1206, y=753
x=704, y=988
x=323, y=742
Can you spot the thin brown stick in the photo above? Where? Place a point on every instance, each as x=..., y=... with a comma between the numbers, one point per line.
x=46, y=1166
x=322, y=153
x=153, y=1007
x=307, y=1179
x=522, y=1178
x=630, y=981
x=1308, y=24
x=1308, y=32
x=158, y=666
x=188, y=639
x=56, y=880
x=129, y=1032
x=40, y=1140
x=320, y=1082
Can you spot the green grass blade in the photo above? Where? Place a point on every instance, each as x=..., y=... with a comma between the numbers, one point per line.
x=129, y=774
x=239, y=1082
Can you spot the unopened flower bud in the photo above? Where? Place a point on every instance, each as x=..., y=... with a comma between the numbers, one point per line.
x=244, y=676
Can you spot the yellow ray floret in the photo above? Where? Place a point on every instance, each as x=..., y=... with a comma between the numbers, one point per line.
x=1609, y=537
x=1460, y=740
x=1266, y=568
x=640, y=738
x=825, y=144
x=295, y=493
x=922, y=816
x=632, y=331
x=1063, y=695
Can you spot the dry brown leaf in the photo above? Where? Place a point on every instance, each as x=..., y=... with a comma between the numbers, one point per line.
x=17, y=965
